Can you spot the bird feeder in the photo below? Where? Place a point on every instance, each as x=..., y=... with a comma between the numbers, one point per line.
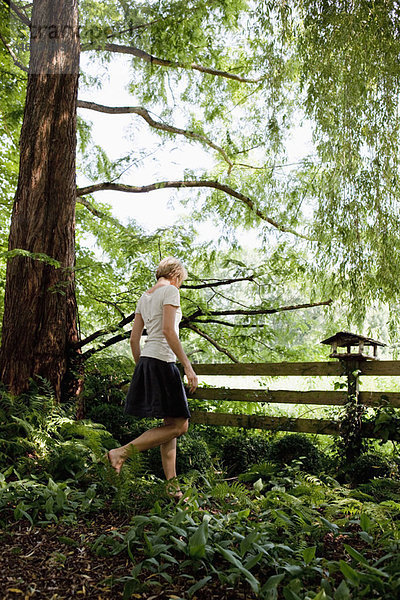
x=355, y=346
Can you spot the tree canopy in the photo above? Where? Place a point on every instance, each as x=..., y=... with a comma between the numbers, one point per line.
x=234, y=78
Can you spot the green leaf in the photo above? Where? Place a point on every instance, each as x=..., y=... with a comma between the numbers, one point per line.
x=290, y=594
x=230, y=556
x=234, y=559
x=249, y=564
x=273, y=582
x=342, y=592
x=197, y=586
x=197, y=541
x=132, y=585
x=309, y=554
x=361, y=558
x=258, y=485
x=366, y=537
x=350, y=574
x=321, y=595
x=248, y=542
x=331, y=526
x=365, y=522
x=355, y=554
x=293, y=569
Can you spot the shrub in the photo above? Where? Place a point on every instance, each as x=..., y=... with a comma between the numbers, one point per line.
x=113, y=418
x=264, y=471
x=79, y=443
x=105, y=392
x=192, y=453
x=241, y=451
x=370, y=466
x=68, y=459
x=382, y=489
x=296, y=446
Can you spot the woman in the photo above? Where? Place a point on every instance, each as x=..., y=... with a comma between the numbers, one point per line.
x=156, y=389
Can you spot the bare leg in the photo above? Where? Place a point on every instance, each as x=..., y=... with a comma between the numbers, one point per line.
x=173, y=428
x=168, y=458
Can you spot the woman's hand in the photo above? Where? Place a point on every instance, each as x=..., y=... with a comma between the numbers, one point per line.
x=191, y=378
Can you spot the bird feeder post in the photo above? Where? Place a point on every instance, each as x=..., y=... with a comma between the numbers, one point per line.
x=351, y=368
x=351, y=425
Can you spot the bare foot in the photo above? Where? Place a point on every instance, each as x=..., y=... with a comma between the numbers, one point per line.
x=173, y=490
x=115, y=460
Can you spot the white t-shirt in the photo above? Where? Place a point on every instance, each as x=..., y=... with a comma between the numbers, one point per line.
x=150, y=306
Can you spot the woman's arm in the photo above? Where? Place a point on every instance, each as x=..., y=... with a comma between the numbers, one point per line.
x=136, y=334
x=174, y=343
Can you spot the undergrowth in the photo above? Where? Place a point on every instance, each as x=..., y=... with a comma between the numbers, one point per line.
x=274, y=532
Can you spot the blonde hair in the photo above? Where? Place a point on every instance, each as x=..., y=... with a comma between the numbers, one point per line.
x=171, y=267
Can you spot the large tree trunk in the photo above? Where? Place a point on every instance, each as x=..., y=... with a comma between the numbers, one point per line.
x=39, y=323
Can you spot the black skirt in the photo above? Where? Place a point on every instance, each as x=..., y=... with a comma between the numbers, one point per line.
x=156, y=390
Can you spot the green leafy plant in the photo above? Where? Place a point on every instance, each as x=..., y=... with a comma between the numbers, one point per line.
x=296, y=447
x=369, y=466
x=241, y=451
x=386, y=423
x=192, y=454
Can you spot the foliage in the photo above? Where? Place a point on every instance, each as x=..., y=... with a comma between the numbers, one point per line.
x=39, y=435
x=277, y=544
x=381, y=490
x=45, y=502
x=296, y=447
x=333, y=64
x=350, y=78
x=192, y=453
x=370, y=466
x=351, y=443
x=386, y=422
x=242, y=450
x=277, y=533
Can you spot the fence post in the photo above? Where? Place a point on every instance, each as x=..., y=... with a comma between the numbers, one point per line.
x=351, y=425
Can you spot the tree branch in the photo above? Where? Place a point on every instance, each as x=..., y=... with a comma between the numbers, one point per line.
x=95, y=211
x=110, y=342
x=110, y=303
x=17, y=11
x=187, y=322
x=217, y=283
x=167, y=63
x=142, y=112
x=99, y=213
x=228, y=324
x=260, y=311
x=212, y=341
x=13, y=56
x=93, y=336
x=120, y=187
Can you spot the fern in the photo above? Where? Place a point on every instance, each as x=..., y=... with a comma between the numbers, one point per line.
x=228, y=495
x=36, y=427
x=344, y=508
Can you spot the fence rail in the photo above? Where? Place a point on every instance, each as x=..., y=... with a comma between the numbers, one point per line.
x=313, y=397
x=382, y=367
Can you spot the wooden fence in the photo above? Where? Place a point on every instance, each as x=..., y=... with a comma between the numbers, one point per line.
x=319, y=398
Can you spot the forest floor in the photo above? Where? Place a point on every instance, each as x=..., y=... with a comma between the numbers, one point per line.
x=58, y=562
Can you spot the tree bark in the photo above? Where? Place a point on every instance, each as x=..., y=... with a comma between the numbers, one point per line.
x=40, y=315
